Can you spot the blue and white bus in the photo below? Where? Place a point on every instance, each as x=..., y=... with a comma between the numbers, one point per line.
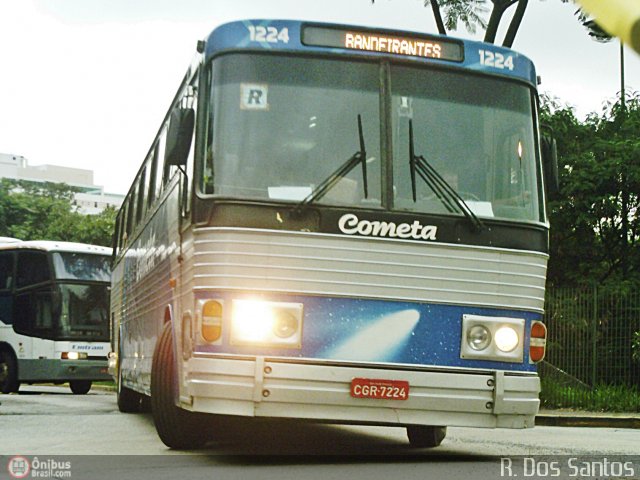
x=337, y=224
x=54, y=314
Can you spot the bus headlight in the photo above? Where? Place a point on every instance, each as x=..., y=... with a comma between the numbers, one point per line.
x=276, y=324
x=506, y=339
x=492, y=338
x=73, y=355
x=478, y=337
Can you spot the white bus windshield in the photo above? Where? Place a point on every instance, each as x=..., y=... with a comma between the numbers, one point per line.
x=81, y=266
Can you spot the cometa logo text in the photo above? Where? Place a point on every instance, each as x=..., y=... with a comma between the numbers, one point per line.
x=352, y=225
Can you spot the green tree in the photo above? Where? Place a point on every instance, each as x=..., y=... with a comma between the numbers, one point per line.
x=595, y=232
x=45, y=211
x=471, y=14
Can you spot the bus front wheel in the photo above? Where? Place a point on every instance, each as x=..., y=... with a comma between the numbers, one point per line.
x=177, y=428
x=8, y=372
x=80, y=387
x=425, y=436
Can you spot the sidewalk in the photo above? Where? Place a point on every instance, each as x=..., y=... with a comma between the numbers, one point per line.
x=577, y=418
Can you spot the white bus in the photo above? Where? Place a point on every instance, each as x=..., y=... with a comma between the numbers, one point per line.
x=54, y=314
x=264, y=269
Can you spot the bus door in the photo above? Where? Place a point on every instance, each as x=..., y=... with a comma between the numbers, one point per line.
x=7, y=276
x=34, y=314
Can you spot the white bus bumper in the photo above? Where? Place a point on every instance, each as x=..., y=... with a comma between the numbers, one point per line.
x=259, y=387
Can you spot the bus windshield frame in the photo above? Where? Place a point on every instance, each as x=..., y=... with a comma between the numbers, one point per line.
x=477, y=131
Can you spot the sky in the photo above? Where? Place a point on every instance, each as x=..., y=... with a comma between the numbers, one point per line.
x=86, y=83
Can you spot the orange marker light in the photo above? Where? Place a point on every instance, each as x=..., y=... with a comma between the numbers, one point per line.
x=211, y=321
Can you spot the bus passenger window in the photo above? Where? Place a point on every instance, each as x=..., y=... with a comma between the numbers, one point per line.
x=6, y=271
x=33, y=268
x=142, y=188
x=153, y=168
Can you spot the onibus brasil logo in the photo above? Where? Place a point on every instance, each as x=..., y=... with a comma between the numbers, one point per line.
x=18, y=467
x=21, y=467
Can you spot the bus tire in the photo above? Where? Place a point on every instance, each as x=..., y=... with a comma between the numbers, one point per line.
x=177, y=428
x=8, y=372
x=80, y=387
x=425, y=436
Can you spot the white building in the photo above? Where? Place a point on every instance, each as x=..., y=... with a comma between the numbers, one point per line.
x=91, y=199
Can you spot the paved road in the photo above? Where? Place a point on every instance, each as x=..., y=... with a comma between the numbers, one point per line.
x=49, y=421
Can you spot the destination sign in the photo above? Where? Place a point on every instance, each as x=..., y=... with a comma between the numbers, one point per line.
x=426, y=47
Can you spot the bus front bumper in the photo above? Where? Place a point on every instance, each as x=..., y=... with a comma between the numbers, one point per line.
x=53, y=370
x=260, y=387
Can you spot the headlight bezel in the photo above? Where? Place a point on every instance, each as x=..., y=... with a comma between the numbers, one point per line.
x=493, y=350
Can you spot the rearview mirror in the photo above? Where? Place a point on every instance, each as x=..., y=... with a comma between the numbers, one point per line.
x=179, y=136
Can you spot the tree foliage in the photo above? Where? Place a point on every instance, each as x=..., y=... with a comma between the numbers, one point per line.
x=45, y=211
x=595, y=231
x=468, y=12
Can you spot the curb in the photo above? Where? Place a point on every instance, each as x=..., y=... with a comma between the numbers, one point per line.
x=587, y=421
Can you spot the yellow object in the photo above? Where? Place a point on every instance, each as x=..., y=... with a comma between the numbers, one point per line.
x=620, y=18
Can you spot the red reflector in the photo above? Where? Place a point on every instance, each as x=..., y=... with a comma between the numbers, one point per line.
x=538, y=330
x=537, y=342
x=536, y=354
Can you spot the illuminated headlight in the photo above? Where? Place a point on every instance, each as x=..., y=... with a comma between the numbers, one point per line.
x=492, y=338
x=73, y=355
x=478, y=337
x=506, y=339
x=257, y=322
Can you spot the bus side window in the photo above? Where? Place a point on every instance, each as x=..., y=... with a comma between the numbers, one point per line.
x=152, y=163
x=142, y=189
x=129, y=219
x=6, y=271
x=120, y=232
x=33, y=268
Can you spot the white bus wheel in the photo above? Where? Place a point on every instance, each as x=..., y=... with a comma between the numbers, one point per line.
x=177, y=428
x=8, y=372
x=80, y=387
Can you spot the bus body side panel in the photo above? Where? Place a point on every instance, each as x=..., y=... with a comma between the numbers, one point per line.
x=142, y=291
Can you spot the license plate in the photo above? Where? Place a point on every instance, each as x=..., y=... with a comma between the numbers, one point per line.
x=381, y=389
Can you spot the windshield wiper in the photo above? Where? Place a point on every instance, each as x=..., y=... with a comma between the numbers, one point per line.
x=452, y=201
x=359, y=157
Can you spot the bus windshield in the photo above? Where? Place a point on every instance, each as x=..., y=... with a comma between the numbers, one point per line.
x=81, y=266
x=476, y=132
x=288, y=123
x=281, y=125
x=84, y=312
